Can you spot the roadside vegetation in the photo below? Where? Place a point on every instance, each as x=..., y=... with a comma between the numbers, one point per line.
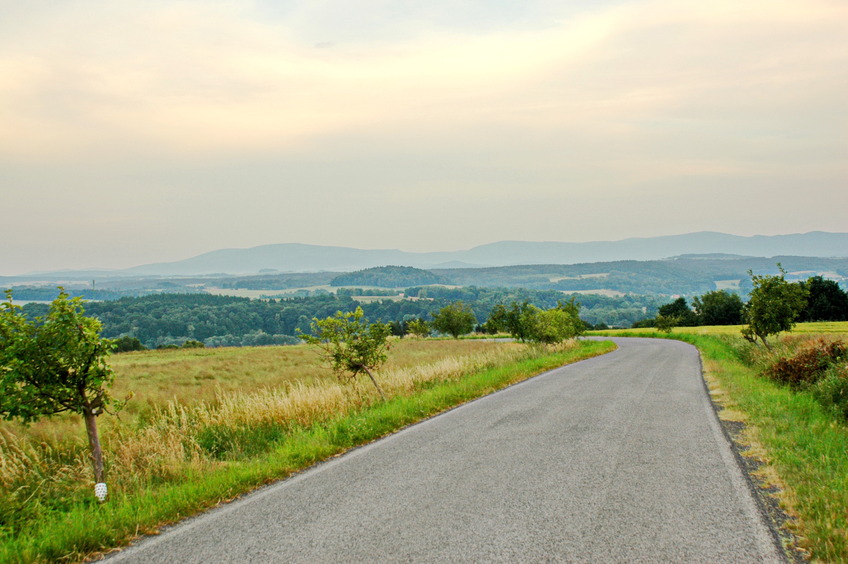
x=793, y=402
x=171, y=320
x=205, y=426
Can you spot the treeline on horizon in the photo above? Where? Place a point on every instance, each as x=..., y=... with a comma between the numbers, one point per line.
x=212, y=320
x=173, y=319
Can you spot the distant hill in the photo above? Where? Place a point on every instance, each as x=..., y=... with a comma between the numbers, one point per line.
x=692, y=275
x=293, y=257
x=680, y=275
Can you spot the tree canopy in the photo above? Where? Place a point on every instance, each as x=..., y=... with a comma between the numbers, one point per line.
x=455, y=319
x=680, y=312
x=718, y=307
x=527, y=322
x=54, y=364
x=826, y=301
x=515, y=319
x=389, y=277
x=773, y=307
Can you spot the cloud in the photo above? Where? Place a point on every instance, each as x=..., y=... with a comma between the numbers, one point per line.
x=190, y=77
x=524, y=106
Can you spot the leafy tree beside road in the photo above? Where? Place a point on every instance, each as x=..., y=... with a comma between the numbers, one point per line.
x=351, y=344
x=555, y=325
x=773, y=307
x=55, y=364
x=527, y=322
x=515, y=319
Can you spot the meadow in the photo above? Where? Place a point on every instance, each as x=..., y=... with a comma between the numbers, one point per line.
x=798, y=443
x=204, y=426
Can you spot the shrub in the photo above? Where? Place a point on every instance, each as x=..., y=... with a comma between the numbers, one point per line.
x=832, y=391
x=128, y=344
x=809, y=364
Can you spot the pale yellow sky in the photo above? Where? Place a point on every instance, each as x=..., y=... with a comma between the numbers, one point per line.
x=142, y=132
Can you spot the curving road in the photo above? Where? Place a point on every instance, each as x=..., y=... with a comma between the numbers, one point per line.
x=616, y=459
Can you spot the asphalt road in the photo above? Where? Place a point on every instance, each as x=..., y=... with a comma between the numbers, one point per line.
x=616, y=459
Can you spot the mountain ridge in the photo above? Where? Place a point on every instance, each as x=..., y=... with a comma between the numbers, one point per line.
x=301, y=257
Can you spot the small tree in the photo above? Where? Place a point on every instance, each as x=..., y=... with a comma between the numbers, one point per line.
x=679, y=310
x=773, y=307
x=455, y=319
x=515, y=320
x=572, y=308
x=351, y=344
x=665, y=323
x=55, y=364
x=419, y=327
x=557, y=324
x=126, y=343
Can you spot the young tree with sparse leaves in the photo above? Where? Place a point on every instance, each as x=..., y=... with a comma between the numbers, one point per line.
x=351, y=344
x=55, y=364
x=665, y=323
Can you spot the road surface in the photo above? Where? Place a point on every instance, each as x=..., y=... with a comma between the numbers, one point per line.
x=616, y=459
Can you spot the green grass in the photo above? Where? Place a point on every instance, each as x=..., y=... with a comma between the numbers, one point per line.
x=86, y=528
x=804, y=446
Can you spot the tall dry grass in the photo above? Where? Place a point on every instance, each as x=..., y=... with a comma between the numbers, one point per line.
x=172, y=439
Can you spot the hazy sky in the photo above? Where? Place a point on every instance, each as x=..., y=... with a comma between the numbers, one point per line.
x=137, y=132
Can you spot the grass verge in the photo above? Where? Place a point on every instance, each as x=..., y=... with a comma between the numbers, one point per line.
x=85, y=528
x=803, y=446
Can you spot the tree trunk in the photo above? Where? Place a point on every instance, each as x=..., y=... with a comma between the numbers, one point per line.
x=376, y=385
x=94, y=445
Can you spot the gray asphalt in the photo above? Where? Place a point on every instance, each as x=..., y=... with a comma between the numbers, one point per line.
x=616, y=459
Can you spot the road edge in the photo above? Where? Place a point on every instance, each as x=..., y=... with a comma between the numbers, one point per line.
x=774, y=517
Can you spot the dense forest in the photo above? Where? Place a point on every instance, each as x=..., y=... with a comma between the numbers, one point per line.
x=389, y=277
x=167, y=319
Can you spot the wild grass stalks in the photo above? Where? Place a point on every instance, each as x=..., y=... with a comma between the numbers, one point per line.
x=179, y=457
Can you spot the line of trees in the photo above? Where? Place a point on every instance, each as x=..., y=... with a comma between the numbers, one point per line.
x=774, y=305
x=528, y=323
x=172, y=319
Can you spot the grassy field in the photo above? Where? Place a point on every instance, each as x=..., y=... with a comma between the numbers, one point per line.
x=834, y=328
x=207, y=425
x=803, y=445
